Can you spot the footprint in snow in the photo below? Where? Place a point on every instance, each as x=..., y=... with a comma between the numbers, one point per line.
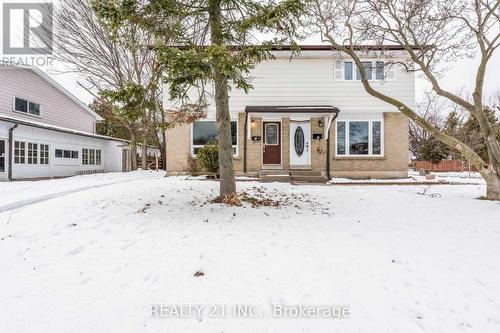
x=76, y=250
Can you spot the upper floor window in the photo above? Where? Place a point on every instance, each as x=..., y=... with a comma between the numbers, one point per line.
x=25, y=106
x=375, y=70
x=205, y=132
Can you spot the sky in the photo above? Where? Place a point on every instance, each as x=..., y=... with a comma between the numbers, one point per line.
x=459, y=77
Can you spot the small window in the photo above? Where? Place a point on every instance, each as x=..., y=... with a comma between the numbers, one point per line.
x=98, y=157
x=379, y=70
x=341, y=138
x=272, y=136
x=91, y=156
x=44, y=154
x=25, y=106
x=376, y=138
x=32, y=153
x=67, y=154
x=34, y=108
x=348, y=70
x=74, y=154
x=19, y=152
x=367, y=65
x=21, y=105
x=85, y=156
x=59, y=153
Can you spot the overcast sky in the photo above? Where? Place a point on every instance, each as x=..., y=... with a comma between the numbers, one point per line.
x=460, y=75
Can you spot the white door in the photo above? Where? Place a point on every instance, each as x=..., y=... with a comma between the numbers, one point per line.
x=300, y=144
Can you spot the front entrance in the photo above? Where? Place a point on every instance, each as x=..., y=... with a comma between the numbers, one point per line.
x=2, y=155
x=300, y=144
x=271, y=149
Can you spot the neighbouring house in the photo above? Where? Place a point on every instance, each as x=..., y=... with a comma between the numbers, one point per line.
x=311, y=115
x=47, y=132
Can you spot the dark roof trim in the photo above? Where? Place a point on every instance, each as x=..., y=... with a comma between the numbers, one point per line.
x=322, y=47
x=292, y=109
x=59, y=129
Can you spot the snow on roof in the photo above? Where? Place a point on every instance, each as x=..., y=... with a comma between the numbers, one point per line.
x=56, y=85
x=42, y=125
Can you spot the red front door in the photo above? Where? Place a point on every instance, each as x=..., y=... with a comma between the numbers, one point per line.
x=272, y=143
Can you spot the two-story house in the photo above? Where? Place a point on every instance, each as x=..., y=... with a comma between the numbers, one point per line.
x=310, y=115
x=47, y=132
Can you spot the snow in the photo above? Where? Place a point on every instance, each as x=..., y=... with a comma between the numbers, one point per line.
x=401, y=258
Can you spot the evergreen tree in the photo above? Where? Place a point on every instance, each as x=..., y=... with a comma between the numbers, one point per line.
x=215, y=46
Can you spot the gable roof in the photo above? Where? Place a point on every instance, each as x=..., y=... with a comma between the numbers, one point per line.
x=54, y=84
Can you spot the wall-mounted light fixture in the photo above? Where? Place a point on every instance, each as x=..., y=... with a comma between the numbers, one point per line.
x=254, y=124
x=320, y=123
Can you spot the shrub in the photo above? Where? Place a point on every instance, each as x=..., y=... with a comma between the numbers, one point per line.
x=193, y=167
x=208, y=156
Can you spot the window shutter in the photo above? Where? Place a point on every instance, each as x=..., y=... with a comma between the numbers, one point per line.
x=337, y=70
x=390, y=74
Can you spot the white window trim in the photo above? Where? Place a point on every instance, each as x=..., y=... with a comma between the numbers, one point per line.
x=28, y=112
x=237, y=146
x=370, y=138
x=37, y=159
x=374, y=71
x=24, y=156
x=40, y=155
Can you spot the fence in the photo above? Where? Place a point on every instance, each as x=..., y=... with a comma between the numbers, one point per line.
x=444, y=166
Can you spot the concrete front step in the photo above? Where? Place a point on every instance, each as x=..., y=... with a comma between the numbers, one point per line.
x=276, y=178
x=310, y=179
x=265, y=172
x=305, y=173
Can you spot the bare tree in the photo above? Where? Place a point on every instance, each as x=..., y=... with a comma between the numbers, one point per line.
x=429, y=34
x=430, y=108
x=110, y=64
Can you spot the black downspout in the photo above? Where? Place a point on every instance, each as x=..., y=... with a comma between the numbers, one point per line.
x=11, y=149
x=328, y=148
x=245, y=139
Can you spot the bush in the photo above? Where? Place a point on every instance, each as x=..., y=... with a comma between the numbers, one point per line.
x=208, y=156
x=193, y=167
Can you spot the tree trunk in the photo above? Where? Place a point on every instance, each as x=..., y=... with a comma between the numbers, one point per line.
x=144, y=152
x=133, y=152
x=492, y=185
x=227, y=180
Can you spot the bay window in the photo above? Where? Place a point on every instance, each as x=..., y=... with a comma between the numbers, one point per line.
x=359, y=138
x=205, y=132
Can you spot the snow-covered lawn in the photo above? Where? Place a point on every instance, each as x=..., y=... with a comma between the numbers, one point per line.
x=94, y=258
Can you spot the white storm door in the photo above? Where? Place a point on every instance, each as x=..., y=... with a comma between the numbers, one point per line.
x=300, y=144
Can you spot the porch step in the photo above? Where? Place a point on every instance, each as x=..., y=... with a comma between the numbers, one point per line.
x=307, y=176
x=276, y=179
x=305, y=173
x=271, y=176
x=310, y=179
